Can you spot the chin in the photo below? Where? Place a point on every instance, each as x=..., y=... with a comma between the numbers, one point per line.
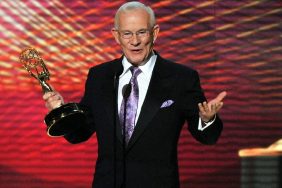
x=136, y=61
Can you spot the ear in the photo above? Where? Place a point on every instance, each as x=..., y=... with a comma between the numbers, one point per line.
x=115, y=34
x=156, y=30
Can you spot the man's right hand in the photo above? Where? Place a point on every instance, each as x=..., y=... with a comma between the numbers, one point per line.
x=53, y=100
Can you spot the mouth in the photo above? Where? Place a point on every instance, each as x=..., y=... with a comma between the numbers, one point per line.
x=136, y=51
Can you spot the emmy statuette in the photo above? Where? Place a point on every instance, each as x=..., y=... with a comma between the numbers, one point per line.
x=67, y=117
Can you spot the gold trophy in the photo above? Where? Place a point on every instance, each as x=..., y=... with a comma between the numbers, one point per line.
x=64, y=119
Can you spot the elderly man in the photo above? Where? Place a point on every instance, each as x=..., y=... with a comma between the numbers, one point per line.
x=154, y=98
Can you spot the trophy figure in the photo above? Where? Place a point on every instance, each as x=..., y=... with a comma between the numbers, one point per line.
x=67, y=117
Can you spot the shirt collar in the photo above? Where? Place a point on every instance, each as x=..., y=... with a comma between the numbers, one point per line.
x=146, y=68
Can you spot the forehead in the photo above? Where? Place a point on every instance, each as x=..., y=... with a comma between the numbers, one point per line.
x=134, y=19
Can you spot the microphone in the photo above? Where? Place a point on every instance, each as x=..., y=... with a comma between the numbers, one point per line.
x=126, y=90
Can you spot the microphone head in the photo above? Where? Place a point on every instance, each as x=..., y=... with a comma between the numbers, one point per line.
x=126, y=90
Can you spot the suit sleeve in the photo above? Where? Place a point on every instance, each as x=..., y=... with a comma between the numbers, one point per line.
x=87, y=128
x=193, y=94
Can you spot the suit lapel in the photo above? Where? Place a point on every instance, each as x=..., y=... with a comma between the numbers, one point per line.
x=161, y=82
x=109, y=89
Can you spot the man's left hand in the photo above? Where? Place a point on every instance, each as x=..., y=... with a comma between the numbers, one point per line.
x=208, y=110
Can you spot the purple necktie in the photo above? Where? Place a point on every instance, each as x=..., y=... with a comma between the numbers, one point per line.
x=131, y=104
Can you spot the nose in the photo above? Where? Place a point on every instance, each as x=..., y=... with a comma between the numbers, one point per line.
x=135, y=40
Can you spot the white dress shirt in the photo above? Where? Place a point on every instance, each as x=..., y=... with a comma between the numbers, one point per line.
x=143, y=80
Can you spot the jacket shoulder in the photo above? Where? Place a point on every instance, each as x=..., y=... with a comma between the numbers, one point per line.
x=105, y=69
x=176, y=68
x=105, y=65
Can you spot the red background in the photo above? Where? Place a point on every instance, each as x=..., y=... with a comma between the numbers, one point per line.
x=235, y=46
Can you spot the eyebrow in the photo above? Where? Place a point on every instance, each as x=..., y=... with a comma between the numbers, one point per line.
x=132, y=31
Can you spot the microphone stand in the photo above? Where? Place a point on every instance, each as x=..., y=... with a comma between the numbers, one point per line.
x=115, y=99
x=125, y=93
x=116, y=117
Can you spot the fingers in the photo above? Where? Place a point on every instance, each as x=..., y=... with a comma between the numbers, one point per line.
x=48, y=95
x=221, y=96
x=53, y=100
x=207, y=111
x=210, y=107
x=203, y=107
x=218, y=101
x=218, y=106
x=206, y=108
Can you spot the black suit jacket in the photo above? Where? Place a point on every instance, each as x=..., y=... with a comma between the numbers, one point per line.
x=151, y=154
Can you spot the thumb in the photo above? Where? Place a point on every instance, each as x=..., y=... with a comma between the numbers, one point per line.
x=221, y=96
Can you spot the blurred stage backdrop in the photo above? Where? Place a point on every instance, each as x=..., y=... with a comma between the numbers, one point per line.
x=235, y=45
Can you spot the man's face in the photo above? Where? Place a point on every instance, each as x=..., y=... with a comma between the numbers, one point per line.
x=135, y=36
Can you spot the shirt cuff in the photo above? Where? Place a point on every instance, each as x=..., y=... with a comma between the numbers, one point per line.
x=202, y=125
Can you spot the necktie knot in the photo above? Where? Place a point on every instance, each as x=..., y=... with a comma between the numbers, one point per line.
x=135, y=71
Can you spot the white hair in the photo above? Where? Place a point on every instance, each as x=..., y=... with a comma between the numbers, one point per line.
x=135, y=5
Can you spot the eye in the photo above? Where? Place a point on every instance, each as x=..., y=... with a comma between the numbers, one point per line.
x=142, y=32
x=127, y=33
